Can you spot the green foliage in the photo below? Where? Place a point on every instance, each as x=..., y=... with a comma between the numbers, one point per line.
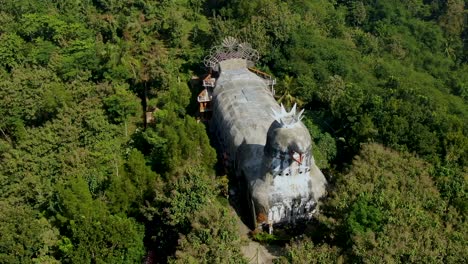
x=69, y=71
x=27, y=237
x=305, y=251
x=213, y=238
x=139, y=182
x=120, y=106
x=452, y=185
x=264, y=237
x=364, y=217
x=223, y=185
x=187, y=194
x=388, y=204
x=83, y=182
x=176, y=143
x=324, y=146
x=11, y=53
x=335, y=65
x=385, y=208
x=95, y=235
x=75, y=143
x=37, y=90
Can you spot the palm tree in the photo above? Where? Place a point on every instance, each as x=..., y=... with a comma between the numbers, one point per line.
x=284, y=95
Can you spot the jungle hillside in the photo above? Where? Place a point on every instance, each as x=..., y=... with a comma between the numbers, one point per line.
x=103, y=160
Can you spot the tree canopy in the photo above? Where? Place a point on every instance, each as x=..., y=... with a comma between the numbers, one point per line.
x=84, y=178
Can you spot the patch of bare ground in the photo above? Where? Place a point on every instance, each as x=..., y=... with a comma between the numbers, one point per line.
x=255, y=252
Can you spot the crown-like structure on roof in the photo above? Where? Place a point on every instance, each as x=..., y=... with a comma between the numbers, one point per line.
x=288, y=119
x=230, y=48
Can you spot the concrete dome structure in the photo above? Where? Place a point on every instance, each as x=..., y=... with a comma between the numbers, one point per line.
x=268, y=148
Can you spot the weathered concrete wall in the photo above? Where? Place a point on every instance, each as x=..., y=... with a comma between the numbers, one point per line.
x=268, y=146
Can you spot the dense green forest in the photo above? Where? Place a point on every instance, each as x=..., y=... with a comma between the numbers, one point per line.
x=84, y=179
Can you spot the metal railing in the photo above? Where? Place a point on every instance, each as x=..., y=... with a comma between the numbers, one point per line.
x=267, y=77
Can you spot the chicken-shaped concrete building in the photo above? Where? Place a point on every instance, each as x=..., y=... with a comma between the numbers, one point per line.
x=268, y=148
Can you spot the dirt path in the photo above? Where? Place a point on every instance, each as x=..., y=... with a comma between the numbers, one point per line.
x=255, y=252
